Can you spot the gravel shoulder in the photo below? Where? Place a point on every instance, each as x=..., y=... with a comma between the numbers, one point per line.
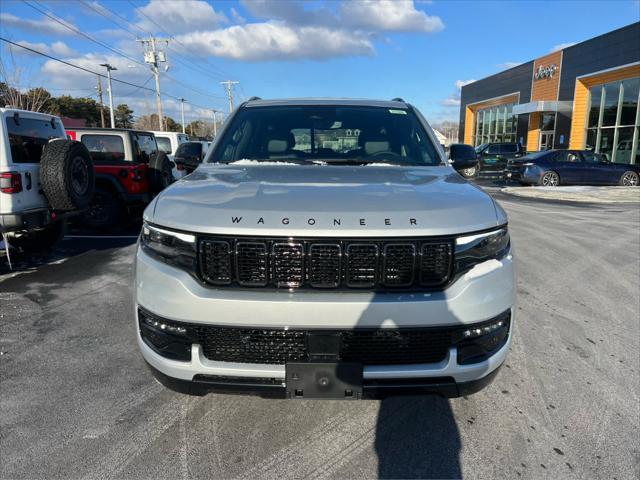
x=76, y=400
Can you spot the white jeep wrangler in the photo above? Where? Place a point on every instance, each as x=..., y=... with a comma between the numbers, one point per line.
x=44, y=179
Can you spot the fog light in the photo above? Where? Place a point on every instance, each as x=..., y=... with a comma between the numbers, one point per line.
x=164, y=337
x=164, y=326
x=479, y=342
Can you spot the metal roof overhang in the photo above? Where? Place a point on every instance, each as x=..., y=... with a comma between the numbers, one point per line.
x=543, y=106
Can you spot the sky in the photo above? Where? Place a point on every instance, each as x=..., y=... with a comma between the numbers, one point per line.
x=421, y=51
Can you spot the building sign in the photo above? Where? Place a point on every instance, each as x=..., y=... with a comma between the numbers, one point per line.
x=546, y=71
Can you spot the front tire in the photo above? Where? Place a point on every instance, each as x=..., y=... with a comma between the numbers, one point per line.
x=629, y=179
x=550, y=179
x=104, y=211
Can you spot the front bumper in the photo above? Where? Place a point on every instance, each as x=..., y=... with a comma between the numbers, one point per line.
x=479, y=295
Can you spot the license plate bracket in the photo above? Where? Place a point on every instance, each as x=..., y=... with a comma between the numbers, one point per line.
x=325, y=380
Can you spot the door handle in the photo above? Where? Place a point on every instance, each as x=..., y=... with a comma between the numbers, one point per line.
x=27, y=175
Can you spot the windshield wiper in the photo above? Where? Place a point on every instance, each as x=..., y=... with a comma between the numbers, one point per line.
x=353, y=161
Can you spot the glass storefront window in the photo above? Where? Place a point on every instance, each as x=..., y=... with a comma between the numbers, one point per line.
x=611, y=100
x=606, y=143
x=594, y=109
x=495, y=124
x=624, y=146
x=548, y=121
x=614, y=119
x=631, y=89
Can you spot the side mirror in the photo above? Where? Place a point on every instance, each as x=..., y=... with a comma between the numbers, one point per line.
x=189, y=156
x=462, y=156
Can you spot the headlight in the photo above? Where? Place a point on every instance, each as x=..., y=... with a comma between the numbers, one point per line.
x=175, y=248
x=471, y=250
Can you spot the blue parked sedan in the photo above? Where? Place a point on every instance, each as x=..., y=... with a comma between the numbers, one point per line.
x=570, y=167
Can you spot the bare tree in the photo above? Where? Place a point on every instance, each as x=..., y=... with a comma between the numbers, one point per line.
x=13, y=93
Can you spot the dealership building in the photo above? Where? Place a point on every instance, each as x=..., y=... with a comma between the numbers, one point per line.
x=585, y=96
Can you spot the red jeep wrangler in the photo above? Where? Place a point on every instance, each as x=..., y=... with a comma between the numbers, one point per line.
x=129, y=171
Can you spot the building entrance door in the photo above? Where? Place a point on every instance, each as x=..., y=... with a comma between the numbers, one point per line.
x=546, y=140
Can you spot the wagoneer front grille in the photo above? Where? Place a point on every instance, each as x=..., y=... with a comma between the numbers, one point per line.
x=361, y=264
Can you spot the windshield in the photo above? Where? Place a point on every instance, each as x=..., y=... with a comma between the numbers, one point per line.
x=479, y=148
x=326, y=134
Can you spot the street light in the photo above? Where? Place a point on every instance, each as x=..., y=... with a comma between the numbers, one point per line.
x=109, y=68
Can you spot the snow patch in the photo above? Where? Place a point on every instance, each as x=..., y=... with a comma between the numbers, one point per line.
x=247, y=161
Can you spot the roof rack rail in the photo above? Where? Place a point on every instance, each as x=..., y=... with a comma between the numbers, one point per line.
x=397, y=99
x=254, y=98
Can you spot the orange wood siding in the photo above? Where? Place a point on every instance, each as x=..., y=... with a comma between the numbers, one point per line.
x=581, y=100
x=547, y=88
x=470, y=113
x=469, y=125
x=533, y=133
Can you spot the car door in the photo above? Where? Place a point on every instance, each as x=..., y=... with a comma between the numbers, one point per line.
x=491, y=158
x=570, y=166
x=599, y=170
x=508, y=151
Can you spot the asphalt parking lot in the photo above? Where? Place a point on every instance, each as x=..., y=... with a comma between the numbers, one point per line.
x=77, y=401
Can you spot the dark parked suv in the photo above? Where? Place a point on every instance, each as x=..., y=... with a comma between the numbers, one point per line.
x=493, y=157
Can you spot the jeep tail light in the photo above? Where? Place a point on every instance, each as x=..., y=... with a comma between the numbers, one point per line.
x=180, y=167
x=10, y=182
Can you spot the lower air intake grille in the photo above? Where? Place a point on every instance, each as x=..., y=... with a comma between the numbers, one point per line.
x=370, y=347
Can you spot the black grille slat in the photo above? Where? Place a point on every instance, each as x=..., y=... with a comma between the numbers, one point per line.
x=325, y=262
x=251, y=264
x=399, y=264
x=298, y=263
x=435, y=263
x=362, y=265
x=216, y=267
x=288, y=264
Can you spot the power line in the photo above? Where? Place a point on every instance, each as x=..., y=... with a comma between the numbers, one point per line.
x=86, y=35
x=162, y=30
x=177, y=59
x=124, y=82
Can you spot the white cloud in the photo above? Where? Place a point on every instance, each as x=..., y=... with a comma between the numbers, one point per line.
x=389, y=16
x=60, y=49
x=562, y=46
x=237, y=18
x=43, y=26
x=453, y=100
x=462, y=83
x=277, y=40
x=179, y=17
x=508, y=65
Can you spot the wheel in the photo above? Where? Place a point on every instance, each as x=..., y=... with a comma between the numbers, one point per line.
x=38, y=241
x=66, y=175
x=629, y=179
x=160, y=173
x=550, y=179
x=469, y=172
x=104, y=211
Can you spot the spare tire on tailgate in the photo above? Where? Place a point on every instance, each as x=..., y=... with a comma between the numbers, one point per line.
x=66, y=175
x=160, y=174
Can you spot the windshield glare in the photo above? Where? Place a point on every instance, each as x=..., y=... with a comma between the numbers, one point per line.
x=327, y=134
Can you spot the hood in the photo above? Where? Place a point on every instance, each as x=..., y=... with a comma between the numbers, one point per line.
x=315, y=200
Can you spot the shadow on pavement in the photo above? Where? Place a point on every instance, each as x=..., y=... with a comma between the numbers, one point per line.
x=417, y=437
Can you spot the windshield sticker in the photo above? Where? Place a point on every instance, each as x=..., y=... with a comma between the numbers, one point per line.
x=398, y=112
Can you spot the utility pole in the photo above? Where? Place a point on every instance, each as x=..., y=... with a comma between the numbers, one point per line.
x=110, y=90
x=182, y=100
x=101, y=101
x=153, y=57
x=215, y=125
x=228, y=85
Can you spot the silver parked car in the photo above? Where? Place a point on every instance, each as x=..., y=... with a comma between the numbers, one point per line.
x=325, y=249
